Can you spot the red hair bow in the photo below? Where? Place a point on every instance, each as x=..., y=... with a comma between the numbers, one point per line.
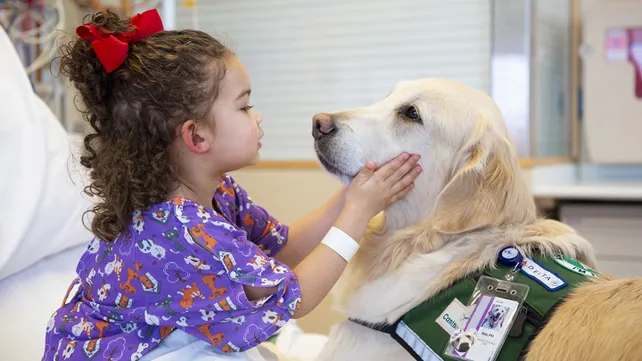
x=112, y=49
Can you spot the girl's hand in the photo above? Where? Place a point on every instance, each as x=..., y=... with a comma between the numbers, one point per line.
x=369, y=193
x=372, y=191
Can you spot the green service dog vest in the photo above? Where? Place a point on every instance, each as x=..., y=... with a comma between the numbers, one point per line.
x=420, y=334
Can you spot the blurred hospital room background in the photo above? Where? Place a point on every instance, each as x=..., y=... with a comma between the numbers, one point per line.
x=567, y=75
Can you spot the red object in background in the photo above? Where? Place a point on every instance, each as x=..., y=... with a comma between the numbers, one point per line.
x=635, y=57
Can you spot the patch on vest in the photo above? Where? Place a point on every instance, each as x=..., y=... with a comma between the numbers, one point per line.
x=450, y=320
x=574, y=266
x=545, y=277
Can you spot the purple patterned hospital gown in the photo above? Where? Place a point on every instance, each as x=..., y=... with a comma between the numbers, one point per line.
x=182, y=266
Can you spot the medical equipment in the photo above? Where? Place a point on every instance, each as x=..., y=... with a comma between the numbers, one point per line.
x=36, y=29
x=32, y=27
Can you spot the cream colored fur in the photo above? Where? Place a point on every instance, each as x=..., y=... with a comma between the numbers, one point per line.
x=471, y=200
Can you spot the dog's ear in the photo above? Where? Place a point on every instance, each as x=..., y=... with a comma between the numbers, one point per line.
x=486, y=188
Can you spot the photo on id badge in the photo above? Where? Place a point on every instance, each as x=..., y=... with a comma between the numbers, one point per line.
x=485, y=332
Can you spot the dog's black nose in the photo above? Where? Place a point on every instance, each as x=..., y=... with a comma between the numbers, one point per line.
x=322, y=125
x=463, y=347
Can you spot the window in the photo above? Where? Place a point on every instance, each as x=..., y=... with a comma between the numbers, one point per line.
x=306, y=57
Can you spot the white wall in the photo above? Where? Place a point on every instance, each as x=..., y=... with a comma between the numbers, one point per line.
x=324, y=55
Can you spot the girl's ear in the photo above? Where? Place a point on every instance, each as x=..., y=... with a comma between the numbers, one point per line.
x=193, y=137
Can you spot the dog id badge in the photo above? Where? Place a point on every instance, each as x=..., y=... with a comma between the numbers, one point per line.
x=495, y=305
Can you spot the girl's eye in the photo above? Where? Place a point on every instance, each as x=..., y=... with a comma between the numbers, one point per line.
x=247, y=108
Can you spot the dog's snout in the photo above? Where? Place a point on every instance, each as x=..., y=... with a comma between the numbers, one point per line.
x=464, y=347
x=322, y=125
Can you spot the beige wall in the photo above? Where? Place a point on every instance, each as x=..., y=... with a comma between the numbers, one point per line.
x=289, y=195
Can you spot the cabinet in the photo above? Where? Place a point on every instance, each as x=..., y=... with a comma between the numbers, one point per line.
x=614, y=229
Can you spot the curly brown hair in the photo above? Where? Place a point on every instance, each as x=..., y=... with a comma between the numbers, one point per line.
x=134, y=111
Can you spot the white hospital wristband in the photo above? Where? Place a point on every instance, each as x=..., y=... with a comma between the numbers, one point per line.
x=341, y=243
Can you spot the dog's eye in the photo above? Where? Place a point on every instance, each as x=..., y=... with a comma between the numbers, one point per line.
x=412, y=114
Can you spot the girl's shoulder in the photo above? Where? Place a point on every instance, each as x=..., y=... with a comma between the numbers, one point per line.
x=178, y=211
x=172, y=223
x=228, y=189
x=181, y=231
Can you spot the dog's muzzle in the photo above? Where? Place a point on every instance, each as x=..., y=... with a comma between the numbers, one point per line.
x=323, y=125
x=324, y=131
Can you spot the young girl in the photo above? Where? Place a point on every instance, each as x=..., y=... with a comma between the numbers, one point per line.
x=183, y=264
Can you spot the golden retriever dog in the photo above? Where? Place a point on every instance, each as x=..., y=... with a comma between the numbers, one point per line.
x=471, y=201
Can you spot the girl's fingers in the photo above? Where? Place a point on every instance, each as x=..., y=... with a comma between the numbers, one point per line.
x=389, y=168
x=402, y=193
x=365, y=173
x=407, y=179
x=403, y=170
